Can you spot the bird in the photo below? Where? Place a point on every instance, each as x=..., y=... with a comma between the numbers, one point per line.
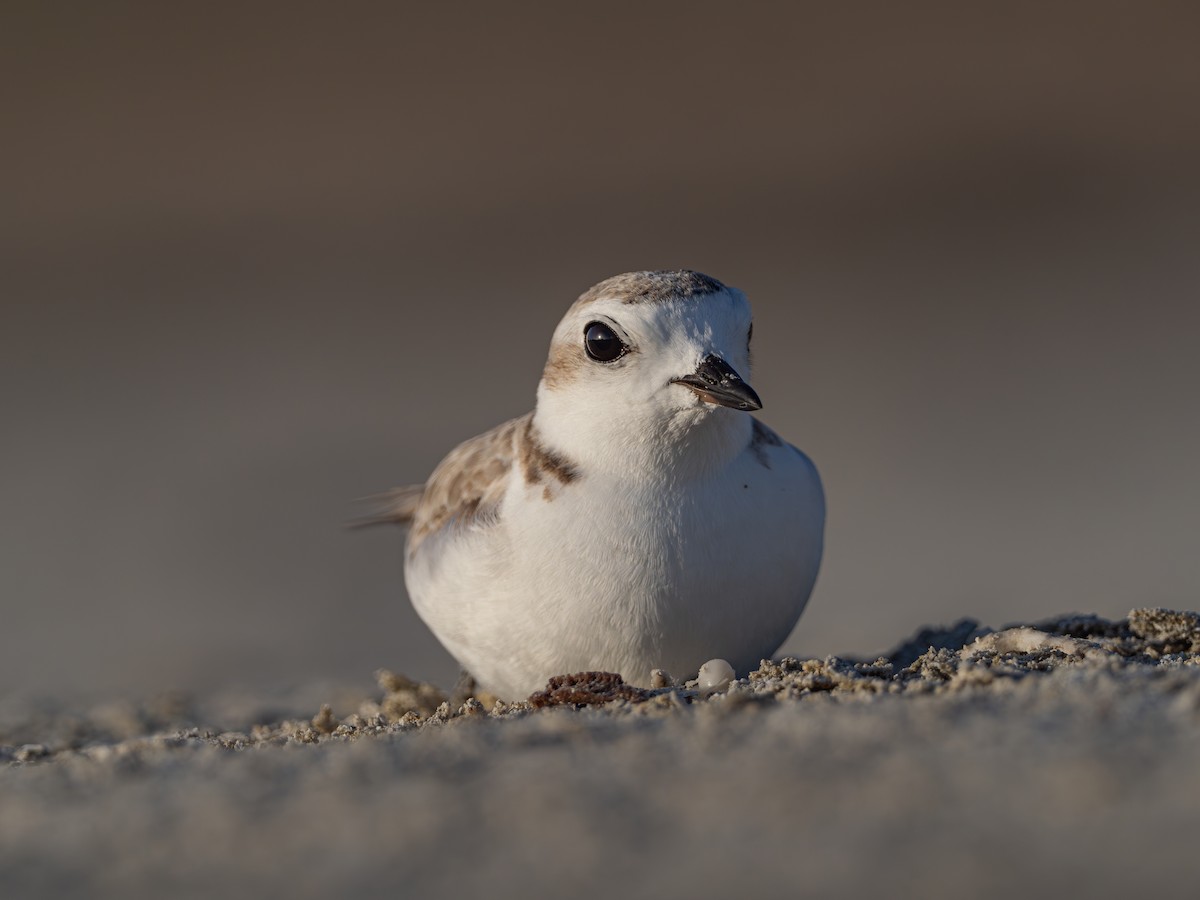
x=640, y=518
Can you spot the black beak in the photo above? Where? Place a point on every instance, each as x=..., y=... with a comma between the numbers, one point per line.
x=717, y=382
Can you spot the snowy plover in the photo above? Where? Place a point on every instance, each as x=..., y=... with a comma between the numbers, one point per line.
x=638, y=518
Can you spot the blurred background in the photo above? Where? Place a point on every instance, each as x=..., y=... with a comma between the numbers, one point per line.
x=260, y=260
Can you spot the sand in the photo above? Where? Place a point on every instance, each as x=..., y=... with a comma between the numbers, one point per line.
x=1037, y=760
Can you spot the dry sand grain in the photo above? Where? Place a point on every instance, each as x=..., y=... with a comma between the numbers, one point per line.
x=1036, y=760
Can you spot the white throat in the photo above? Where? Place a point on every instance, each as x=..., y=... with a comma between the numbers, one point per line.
x=688, y=443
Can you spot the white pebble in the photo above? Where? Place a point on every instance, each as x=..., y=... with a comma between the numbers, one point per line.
x=715, y=675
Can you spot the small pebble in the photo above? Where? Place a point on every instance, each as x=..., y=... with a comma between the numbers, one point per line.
x=715, y=675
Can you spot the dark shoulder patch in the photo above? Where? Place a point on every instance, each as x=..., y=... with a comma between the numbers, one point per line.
x=539, y=463
x=762, y=437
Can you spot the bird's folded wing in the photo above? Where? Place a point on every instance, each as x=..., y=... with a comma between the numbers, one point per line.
x=468, y=485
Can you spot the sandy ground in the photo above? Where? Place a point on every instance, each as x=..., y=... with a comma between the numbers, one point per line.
x=1062, y=757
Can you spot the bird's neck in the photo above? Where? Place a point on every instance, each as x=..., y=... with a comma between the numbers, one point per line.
x=691, y=444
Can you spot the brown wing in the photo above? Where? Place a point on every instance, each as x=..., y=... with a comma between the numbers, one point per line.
x=469, y=483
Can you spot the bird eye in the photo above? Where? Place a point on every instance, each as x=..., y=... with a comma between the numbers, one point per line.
x=602, y=343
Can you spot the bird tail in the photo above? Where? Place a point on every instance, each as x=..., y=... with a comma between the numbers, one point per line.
x=394, y=507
